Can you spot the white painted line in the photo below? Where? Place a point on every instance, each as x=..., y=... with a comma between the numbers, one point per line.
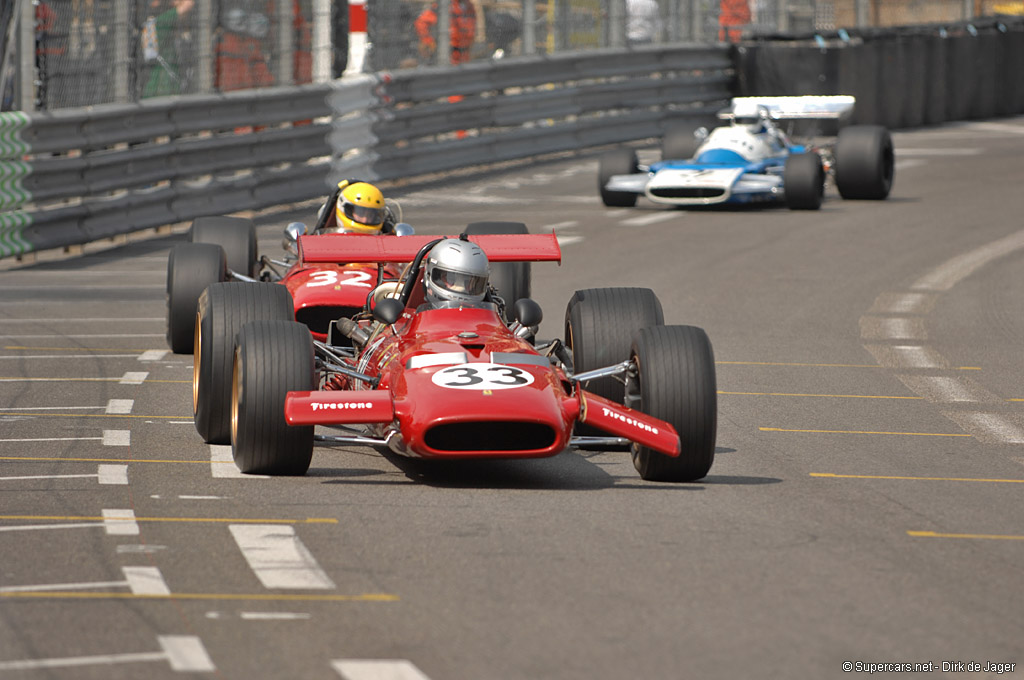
x=97, y=319
x=117, y=437
x=75, y=661
x=644, y=220
x=186, y=653
x=50, y=408
x=1001, y=128
x=37, y=527
x=903, y=303
x=377, y=669
x=120, y=523
x=134, y=378
x=559, y=225
x=62, y=357
x=222, y=464
x=950, y=273
x=278, y=557
x=120, y=406
x=153, y=355
x=85, y=287
x=201, y=498
x=113, y=474
x=944, y=389
x=58, y=587
x=915, y=356
x=146, y=581
x=144, y=549
x=898, y=328
x=274, y=616
x=989, y=427
x=937, y=152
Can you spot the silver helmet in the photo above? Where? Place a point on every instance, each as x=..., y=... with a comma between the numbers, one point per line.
x=456, y=272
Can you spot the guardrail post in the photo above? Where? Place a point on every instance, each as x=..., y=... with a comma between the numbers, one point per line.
x=529, y=27
x=285, y=44
x=443, y=55
x=121, y=58
x=322, y=47
x=27, y=56
x=617, y=23
x=204, y=38
x=863, y=13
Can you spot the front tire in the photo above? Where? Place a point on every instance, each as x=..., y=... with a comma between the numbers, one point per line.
x=236, y=235
x=865, y=162
x=511, y=279
x=222, y=311
x=675, y=382
x=271, y=359
x=191, y=267
x=803, y=181
x=617, y=162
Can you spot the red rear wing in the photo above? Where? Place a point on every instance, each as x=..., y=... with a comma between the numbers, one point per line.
x=350, y=248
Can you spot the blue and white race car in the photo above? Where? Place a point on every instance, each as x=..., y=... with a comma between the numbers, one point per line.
x=752, y=160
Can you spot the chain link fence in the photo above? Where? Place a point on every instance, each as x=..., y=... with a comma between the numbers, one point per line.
x=71, y=53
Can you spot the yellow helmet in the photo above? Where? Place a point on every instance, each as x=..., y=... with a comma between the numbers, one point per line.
x=360, y=208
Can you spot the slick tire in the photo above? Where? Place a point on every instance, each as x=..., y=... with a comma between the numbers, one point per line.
x=236, y=235
x=864, y=162
x=191, y=267
x=511, y=279
x=803, y=181
x=679, y=144
x=676, y=383
x=222, y=311
x=599, y=328
x=271, y=358
x=617, y=162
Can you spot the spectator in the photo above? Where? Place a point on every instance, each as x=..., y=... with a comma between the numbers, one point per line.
x=501, y=29
x=734, y=13
x=642, y=21
x=462, y=31
x=241, y=64
x=167, y=47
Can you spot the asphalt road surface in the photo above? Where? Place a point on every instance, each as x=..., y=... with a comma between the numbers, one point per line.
x=865, y=504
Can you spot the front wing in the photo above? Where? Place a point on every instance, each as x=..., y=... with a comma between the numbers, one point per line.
x=700, y=186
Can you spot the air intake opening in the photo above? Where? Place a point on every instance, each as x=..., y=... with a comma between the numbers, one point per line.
x=490, y=436
x=680, y=192
x=319, y=318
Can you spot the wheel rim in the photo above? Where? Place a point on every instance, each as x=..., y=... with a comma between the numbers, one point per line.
x=197, y=353
x=236, y=390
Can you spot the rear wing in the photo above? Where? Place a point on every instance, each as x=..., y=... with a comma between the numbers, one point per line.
x=352, y=248
x=816, y=107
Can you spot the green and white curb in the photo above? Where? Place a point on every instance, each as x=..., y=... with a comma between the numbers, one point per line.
x=12, y=193
x=12, y=224
x=11, y=144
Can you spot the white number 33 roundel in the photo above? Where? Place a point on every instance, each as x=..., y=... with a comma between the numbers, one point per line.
x=482, y=377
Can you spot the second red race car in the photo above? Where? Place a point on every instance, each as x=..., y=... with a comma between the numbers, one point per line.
x=431, y=367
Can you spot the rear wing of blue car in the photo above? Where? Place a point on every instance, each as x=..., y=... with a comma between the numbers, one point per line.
x=808, y=107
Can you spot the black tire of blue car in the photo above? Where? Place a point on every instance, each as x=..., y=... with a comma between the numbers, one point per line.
x=236, y=235
x=803, y=181
x=617, y=162
x=222, y=311
x=191, y=267
x=864, y=162
x=599, y=328
x=679, y=144
x=271, y=358
x=510, y=279
x=676, y=383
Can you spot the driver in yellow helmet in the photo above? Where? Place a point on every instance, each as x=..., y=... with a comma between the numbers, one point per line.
x=359, y=208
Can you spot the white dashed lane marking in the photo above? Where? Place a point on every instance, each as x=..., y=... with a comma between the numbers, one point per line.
x=278, y=557
x=652, y=218
x=377, y=669
x=184, y=653
x=117, y=437
x=134, y=378
x=222, y=464
x=120, y=523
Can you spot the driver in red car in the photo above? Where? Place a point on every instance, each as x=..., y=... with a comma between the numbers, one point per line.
x=456, y=275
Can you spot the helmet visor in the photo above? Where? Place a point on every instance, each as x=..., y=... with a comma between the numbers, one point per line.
x=363, y=214
x=458, y=282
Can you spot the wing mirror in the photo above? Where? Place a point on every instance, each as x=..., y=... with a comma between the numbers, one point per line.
x=527, y=312
x=404, y=229
x=291, y=237
x=388, y=310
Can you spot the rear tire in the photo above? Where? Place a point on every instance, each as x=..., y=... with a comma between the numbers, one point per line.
x=599, y=328
x=676, y=376
x=236, y=235
x=679, y=144
x=865, y=162
x=803, y=181
x=617, y=162
x=511, y=279
x=191, y=267
x=271, y=358
x=222, y=311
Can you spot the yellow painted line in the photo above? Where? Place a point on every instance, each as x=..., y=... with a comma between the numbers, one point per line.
x=1015, y=400
x=829, y=396
x=89, y=415
x=184, y=520
x=907, y=434
x=106, y=460
x=811, y=365
x=917, y=479
x=993, y=537
x=272, y=597
x=83, y=349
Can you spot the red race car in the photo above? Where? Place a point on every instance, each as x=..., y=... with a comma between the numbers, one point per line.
x=432, y=368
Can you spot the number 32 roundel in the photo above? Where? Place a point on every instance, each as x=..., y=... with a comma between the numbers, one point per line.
x=482, y=377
